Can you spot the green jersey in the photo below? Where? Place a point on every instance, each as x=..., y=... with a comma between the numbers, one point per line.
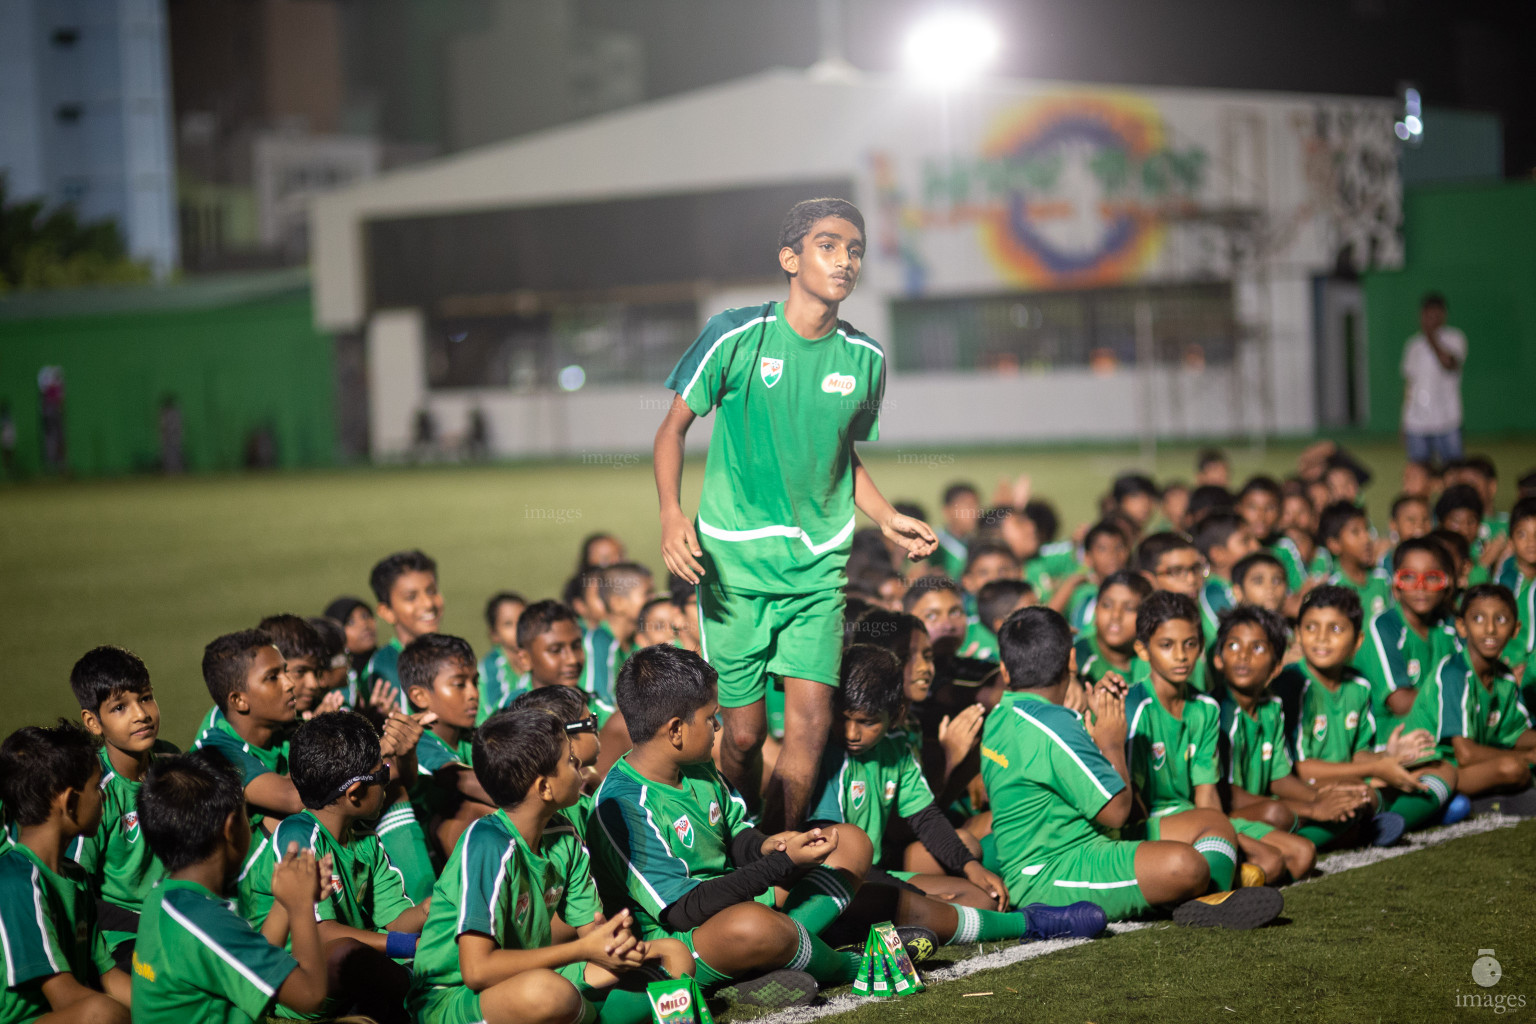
x=864, y=790
x=952, y=555
x=199, y=962
x=1324, y=722
x=1393, y=657
x=1455, y=702
x=776, y=515
x=1215, y=598
x=1289, y=555
x=985, y=640
x=1080, y=608
x=500, y=684
x=1053, y=563
x=117, y=858
x=436, y=763
x=1522, y=646
x=385, y=665
x=46, y=923
x=1093, y=666
x=1167, y=756
x=496, y=885
x=1252, y=747
x=250, y=761
x=605, y=656
x=1046, y=780
x=1375, y=593
x=652, y=843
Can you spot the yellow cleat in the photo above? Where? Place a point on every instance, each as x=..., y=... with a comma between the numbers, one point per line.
x=1252, y=876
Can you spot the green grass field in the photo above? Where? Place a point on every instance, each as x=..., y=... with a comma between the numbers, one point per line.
x=163, y=566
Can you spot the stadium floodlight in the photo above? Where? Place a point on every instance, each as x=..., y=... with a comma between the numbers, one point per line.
x=1410, y=127
x=572, y=378
x=951, y=47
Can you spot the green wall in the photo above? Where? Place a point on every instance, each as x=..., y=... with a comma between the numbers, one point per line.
x=232, y=369
x=1475, y=244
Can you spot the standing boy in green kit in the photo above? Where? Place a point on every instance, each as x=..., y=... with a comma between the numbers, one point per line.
x=795, y=389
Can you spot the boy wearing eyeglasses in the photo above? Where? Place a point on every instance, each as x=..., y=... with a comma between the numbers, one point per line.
x=1402, y=646
x=570, y=706
x=365, y=917
x=438, y=673
x=1171, y=562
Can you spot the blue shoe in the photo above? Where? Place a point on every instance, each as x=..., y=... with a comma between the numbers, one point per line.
x=1459, y=809
x=1082, y=920
x=1389, y=828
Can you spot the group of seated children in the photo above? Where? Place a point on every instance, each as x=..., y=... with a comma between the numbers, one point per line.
x=1034, y=737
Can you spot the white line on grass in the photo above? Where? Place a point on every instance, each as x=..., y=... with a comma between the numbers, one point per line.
x=1330, y=865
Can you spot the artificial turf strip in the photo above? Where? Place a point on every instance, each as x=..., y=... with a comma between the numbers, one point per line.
x=1390, y=942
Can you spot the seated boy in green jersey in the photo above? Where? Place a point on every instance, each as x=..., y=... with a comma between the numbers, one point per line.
x=196, y=960
x=1410, y=518
x=438, y=675
x=1460, y=509
x=1171, y=739
x=1111, y=646
x=1332, y=733
x=626, y=587
x=1518, y=574
x=672, y=839
x=873, y=778
x=1259, y=579
x=1255, y=768
x=1261, y=502
x=662, y=622
x=1402, y=645
x=551, y=650
x=335, y=676
x=405, y=585
x=1105, y=552
x=570, y=706
x=1344, y=529
x=1059, y=796
x=939, y=605
x=962, y=507
x=1223, y=539
x=50, y=784
x=487, y=952
x=995, y=601
x=366, y=919
x=303, y=657
x=117, y=705
x=1172, y=563
x=793, y=389
x=500, y=681
x=1472, y=706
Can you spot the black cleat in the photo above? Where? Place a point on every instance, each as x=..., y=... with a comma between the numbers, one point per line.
x=1239, y=909
x=920, y=942
x=774, y=990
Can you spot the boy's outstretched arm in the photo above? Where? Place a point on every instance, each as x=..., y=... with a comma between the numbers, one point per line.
x=273, y=794
x=679, y=544
x=913, y=534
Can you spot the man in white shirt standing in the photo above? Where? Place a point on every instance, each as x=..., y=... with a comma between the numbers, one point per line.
x=1432, y=362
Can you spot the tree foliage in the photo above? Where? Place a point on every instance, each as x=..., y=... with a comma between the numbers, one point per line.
x=42, y=249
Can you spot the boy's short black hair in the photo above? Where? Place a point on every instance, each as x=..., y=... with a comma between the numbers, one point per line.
x=382, y=579
x=995, y=600
x=1262, y=484
x=227, y=659
x=1524, y=509
x=1131, y=580
x=1458, y=497
x=501, y=597
x=1252, y=615
x=658, y=684
x=1342, y=599
x=910, y=509
x=425, y=656
x=886, y=629
x=38, y=762
x=184, y=803
x=1432, y=299
x=981, y=550
x=1129, y=484
x=1036, y=648
x=1150, y=552
x=1497, y=591
x=870, y=681
x=622, y=577
x=1482, y=465
x=1208, y=499
x=575, y=588
x=654, y=603
x=1449, y=546
x=333, y=639
x=538, y=617
x=582, y=561
x=329, y=750
x=1407, y=499
x=804, y=215
x=1043, y=514
x=1248, y=563
x=924, y=585
x=1335, y=516
x=564, y=702
x=1216, y=529
x=294, y=637
x=959, y=489
x=1103, y=528
x=1166, y=606
x=106, y=671
x=867, y=577
x=854, y=608
x=1210, y=457
x=343, y=608
x=513, y=748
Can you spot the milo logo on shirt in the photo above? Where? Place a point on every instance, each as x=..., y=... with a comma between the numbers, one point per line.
x=838, y=384
x=1159, y=755
x=1413, y=667
x=771, y=369
x=552, y=895
x=684, y=829
x=890, y=789
x=714, y=812
x=1267, y=751
x=856, y=790
x=1319, y=727
x=1351, y=720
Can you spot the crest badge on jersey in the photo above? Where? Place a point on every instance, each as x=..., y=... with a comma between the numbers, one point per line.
x=1493, y=718
x=684, y=829
x=1159, y=755
x=1351, y=720
x=856, y=791
x=714, y=812
x=1189, y=755
x=890, y=789
x=552, y=895
x=1413, y=667
x=771, y=369
x=1319, y=727
x=1267, y=751
x=131, y=826
x=523, y=903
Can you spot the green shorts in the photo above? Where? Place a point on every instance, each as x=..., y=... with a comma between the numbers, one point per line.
x=459, y=1004
x=747, y=637
x=1251, y=829
x=1101, y=871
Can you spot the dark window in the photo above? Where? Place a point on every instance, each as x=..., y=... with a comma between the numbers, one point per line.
x=65, y=37
x=68, y=113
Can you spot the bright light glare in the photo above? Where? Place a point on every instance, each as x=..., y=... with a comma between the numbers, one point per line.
x=1413, y=124
x=1401, y=130
x=572, y=378
x=950, y=48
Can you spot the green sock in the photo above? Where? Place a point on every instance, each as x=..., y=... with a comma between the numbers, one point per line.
x=1418, y=809
x=623, y=1004
x=821, y=961
x=1321, y=833
x=1222, y=858
x=986, y=925
x=403, y=839
x=818, y=898
x=705, y=975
